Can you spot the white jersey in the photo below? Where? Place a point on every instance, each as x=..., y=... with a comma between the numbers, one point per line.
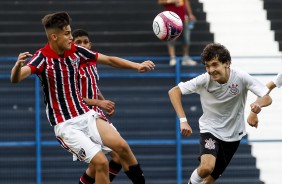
x=277, y=80
x=223, y=104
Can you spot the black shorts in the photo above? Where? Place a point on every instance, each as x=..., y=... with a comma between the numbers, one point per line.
x=223, y=151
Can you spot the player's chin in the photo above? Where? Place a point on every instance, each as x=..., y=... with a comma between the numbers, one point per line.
x=215, y=78
x=68, y=46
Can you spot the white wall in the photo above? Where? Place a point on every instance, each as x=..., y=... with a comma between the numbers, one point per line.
x=241, y=26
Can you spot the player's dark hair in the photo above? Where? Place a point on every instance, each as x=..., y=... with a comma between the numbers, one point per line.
x=56, y=20
x=215, y=51
x=79, y=32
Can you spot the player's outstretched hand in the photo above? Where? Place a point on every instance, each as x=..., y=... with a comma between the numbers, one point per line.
x=255, y=108
x=22, y=58
x=146, y=66
x=253, y=119
x=185, y=129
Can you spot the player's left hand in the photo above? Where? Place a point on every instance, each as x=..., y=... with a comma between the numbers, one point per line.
x=146, y=66
x=253, y=119
x=107, y=105
x=255, y=108
x=185, y=129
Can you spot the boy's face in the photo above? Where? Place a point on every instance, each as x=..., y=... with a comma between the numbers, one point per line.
x=83, y=41
x=218, y=71
x=63, y=39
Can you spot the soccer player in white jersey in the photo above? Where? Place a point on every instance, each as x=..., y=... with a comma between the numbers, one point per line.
x=223, y=92
x=80, y=130
x=275, y=82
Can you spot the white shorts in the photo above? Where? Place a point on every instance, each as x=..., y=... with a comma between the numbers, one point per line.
x=80, y=136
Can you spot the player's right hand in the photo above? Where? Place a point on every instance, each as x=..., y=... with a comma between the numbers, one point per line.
x=255, y=108
x=146, y=66
x=253, y=119
x=22, y=58
x=185, y=129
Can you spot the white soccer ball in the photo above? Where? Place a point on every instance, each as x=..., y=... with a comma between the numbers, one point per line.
x=167, y=26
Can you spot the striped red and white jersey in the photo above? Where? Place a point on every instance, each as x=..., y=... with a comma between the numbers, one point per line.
x=88, y=84
x=88, y=77
x=59, y=80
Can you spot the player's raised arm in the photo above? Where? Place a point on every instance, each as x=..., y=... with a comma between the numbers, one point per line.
x=126, y=64
x=20, y=72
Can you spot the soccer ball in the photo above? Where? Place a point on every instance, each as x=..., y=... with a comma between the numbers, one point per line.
x=167, y=26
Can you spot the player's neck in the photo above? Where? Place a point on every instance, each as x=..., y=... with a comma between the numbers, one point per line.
x=226, y=77
x=56, y=49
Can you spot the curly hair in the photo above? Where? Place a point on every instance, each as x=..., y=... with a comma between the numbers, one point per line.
x=215, y=51
x=56, y=20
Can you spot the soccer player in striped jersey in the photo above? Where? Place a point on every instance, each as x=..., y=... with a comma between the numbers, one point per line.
x=88, y=82
x=80, y=130
x=223, y=92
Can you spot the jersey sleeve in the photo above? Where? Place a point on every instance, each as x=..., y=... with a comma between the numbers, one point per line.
x=36, y=63
x=87, y=56
x=254, y=85
x=277, y=80
x=193, y=85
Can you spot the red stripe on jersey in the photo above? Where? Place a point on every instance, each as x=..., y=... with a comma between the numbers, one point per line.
x=79, y=92
x=39, y=64
x=92, y=77
x=53, y=87
x=67, y=89
x=88, y=84
x=82, y=83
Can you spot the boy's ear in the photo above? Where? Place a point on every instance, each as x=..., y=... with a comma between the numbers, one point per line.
x=228, y=64
x=53, y=37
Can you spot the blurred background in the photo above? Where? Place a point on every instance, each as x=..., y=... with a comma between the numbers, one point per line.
x=250, y=29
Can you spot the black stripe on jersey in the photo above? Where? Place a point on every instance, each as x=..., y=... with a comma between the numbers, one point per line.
x=85, y=53
x=89, y=84
x=45, y=87
x=49, y=111
x=36, y=60
x=95, y=72
x=73, y=81
x=60, y=89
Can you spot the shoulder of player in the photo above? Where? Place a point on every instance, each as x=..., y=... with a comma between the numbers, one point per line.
x=201, y=80
x=238, y=73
